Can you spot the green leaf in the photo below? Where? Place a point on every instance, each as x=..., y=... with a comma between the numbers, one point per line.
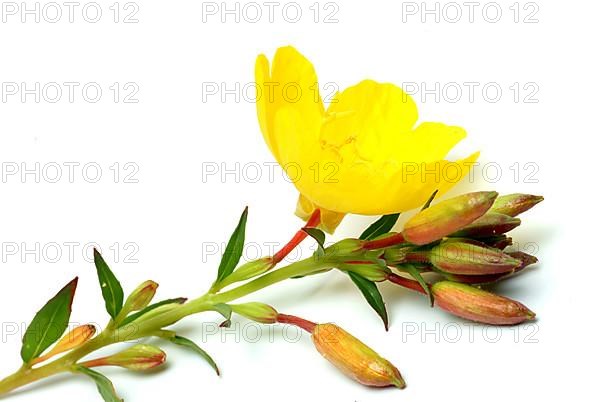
x=430, y=200
x=379, y=227
x=416, y=274
x=49, y=323
x=233, y=251
x=112, y=292
x=105, y=386
x=181, y=341
x=319, y=237
x=131, y=318
x=372, y=295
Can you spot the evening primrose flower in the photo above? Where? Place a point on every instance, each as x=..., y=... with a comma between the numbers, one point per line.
x=364, y=154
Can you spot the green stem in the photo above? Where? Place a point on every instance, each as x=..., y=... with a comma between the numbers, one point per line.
x=26, y=375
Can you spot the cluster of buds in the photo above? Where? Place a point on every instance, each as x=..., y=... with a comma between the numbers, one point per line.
x=464, y=241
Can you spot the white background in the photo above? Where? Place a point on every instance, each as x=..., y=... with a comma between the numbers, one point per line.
x=172, y=218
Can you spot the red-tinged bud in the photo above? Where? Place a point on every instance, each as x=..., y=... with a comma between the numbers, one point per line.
x=515, y=204
x=255, y=311
x=354, y=358
x=490, y=224
x=458, y=257
x=76, y=337
x=499, y=242
x=526, y=259
x=446, y=217
x=478, y=305
x=137, y=358
x=140, y=297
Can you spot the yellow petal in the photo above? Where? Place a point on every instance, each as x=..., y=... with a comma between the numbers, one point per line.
x=329, y=219
x=373, y=118
x=291, y=83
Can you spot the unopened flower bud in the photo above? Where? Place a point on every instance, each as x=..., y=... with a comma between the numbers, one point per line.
x=140, y=297
x=137, y=358
x=515, y=204
x=345, y=247
x=525, y=259
x=354, y=358
x=478, y=305
x=490, y=224
x=459, y=257
x=255, y=311
x=446, y=217
x=375, y=271
x=74, y=338
x=247, y=271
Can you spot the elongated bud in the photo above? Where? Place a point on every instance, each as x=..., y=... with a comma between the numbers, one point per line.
x=525, y=259
x=76, y=337
x=354, y=358
x=140, y=297
x=255, y=311
x=458, y=257
x=137, y=358
x=478, y=305
x=374, y=271
x=490, y=224
x=247, y=271
x=446, y=217
x=515, y=204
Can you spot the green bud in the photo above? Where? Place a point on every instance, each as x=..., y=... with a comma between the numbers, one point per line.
x=446, y=217
x=375, y=271
x=255, y=311
x=140, y=297
x=490, y=224
x=467, y=258
x=247, y=271
x=515, y=204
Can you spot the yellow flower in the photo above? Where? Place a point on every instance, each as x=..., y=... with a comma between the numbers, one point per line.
x=363, y=154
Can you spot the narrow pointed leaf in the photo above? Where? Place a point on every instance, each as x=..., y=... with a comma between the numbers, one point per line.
x=430, y=200
x=187, y=343
x=233, y=251
x=105, y=386
x=131, y=318
x=49, y=323
x=416, y=274
x=372, y=295
x=112, y=292
x=379, y=227
x=319, y=237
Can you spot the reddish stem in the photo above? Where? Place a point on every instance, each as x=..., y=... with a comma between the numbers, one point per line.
x=385, y=242
x=312, y=222
x=306, y=325
x=405, y=282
